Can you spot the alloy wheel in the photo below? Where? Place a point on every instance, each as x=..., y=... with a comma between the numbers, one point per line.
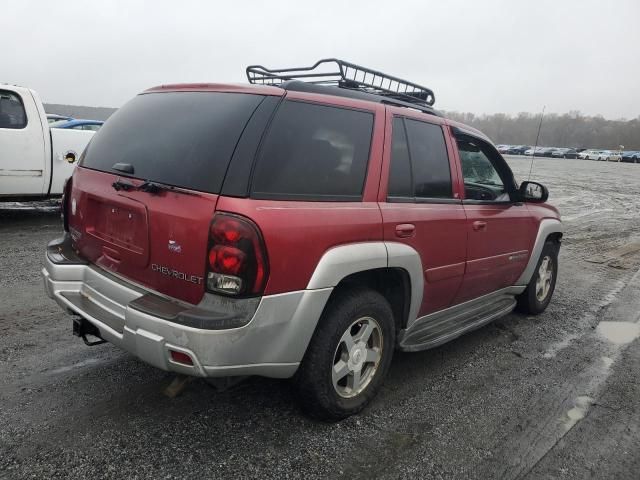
x=357, y=357
x=545, y=277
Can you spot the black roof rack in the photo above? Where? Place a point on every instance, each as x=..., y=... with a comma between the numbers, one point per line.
x=338, y=73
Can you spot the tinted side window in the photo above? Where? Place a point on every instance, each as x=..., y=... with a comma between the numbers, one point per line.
x=314, y=152
x=12, y=114
x=400, y=181
x=431, y=171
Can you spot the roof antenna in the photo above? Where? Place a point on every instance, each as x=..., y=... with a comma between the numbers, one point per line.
x=536, y=146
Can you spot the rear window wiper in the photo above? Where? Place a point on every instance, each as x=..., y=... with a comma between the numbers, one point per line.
x=120, y=185
x=149, y=187
x=155, y=187
x=152, y=187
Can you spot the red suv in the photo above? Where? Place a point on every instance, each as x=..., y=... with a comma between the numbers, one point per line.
x=292, y=228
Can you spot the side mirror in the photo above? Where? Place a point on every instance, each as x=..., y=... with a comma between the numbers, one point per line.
x=533, y=192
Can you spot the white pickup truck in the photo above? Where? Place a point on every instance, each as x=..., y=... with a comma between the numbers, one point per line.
x=35, y=160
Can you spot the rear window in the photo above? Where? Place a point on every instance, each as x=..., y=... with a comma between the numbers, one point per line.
x=184, y=139
x=314, y=152
x=12, y=114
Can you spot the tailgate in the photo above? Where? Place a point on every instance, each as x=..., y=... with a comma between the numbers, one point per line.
x=182, y=143
x=156, y=240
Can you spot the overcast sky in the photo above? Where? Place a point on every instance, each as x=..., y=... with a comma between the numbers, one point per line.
x=481, y=56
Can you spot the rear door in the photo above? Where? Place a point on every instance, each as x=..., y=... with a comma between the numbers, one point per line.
x=22, y=145
x=421, y=204
x=500, y=230
x=314, y=183
x=178, y=144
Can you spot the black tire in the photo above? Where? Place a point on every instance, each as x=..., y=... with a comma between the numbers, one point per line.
x=528, y=301
x=314, y=383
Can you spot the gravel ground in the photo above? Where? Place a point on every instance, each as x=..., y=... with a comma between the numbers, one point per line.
x=552, y=396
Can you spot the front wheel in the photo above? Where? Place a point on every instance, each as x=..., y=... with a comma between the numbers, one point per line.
x=348, y=357
x=537, y=295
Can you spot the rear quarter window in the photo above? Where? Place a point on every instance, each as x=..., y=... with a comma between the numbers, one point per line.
x=314, y=152
x=184, y=139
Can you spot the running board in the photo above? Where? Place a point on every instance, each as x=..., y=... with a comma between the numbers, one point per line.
x=440, y=327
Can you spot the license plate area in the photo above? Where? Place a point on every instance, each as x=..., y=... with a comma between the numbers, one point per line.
x=120, y=227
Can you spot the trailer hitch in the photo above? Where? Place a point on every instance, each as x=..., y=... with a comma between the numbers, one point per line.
x=82, y=328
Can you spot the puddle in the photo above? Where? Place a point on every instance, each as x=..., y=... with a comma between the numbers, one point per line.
x=619, y=333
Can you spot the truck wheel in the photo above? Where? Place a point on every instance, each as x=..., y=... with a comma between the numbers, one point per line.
x=537, y=295
x=348, y=357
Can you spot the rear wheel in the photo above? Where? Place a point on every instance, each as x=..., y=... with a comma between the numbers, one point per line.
x=537, y=295
x=348, y=357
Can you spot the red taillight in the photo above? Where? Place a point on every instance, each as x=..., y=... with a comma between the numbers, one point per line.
x=181, y=357
x=236, y=261
x=66, y=200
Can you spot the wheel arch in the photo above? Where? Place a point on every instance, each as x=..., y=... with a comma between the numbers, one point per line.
x=549, y=229
x=393, y=269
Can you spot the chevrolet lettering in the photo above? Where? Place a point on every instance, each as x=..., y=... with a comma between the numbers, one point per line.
x=170, y=272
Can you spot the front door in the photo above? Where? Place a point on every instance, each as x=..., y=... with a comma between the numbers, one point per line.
x=21, y=146
x=421, y=206
x=499, y=227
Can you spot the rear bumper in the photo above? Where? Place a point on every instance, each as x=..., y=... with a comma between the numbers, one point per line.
x=271, y=344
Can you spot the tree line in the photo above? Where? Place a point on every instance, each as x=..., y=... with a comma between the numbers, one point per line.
x=567, y=130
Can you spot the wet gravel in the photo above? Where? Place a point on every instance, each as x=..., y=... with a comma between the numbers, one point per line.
x=500, y=402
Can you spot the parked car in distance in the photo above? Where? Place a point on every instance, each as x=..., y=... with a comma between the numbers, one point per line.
x=545, y=152
x=614, y=156
x=608, y=156
x=277, y=230
x=503, y=148
x=630, y=156
x=518, y=150
x=589, y=154
x=79, y=124
x=533, y=150
x=564, y=153
x=54, y=117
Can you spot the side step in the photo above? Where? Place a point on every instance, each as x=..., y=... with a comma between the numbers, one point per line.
x=437, y=328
